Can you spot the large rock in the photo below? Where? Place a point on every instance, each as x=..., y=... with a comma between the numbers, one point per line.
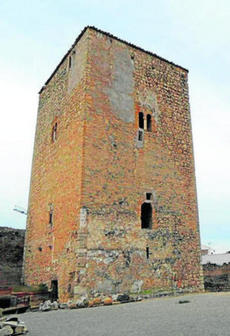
x=54, y=305
x=123, y=298
x=13, y=326
x=83, y=302
x=6, y=331
x=63, y=305
x=45, y=306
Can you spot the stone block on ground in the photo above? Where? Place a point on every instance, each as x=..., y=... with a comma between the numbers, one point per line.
x=6, y=331
x=123, y=298
x=108, y=301
x=17, y=326
x=54, y=305
x=63, y=306
x=83, y=302
x=46, y=306
x=97, y=301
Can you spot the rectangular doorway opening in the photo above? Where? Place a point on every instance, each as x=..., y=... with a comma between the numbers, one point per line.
x=54, y=290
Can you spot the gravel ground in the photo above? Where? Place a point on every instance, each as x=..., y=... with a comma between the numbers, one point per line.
x=205, y=314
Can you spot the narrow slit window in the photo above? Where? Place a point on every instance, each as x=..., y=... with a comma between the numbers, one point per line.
x=141, y=120
x=51, y=217
x=51, y=214
x=70, y=62
x=149, y=122
x=147, y=252
x=140, y=135
x=54, y=132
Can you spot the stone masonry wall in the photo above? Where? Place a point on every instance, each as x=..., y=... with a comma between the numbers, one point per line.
x=122, y=82
x=216, y=277
x=57, y=175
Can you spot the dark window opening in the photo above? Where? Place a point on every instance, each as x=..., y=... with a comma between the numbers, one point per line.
x=141, y=120
x=149, y=123
x=40, y=248
x=51, y=217
x=54, y=290
x=140, y=135
x=69, y=288
x=54, y=133
x=149, y=196
x=147, y=252
x=146, y=216
x=70, y=62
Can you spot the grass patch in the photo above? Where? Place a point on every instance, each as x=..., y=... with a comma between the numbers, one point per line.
x=42, y=288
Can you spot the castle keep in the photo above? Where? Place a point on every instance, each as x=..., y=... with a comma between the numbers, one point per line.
x=112, y=204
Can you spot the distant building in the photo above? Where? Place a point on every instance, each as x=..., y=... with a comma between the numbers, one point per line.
x=206, y=250
x=113, y=204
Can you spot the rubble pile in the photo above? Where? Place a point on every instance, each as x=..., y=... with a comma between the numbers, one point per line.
x=85, y=302
x=12, y=326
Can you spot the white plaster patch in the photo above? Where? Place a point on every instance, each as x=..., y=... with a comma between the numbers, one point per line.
x=148, y=100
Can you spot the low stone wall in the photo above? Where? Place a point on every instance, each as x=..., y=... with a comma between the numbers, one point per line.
x=216, y=277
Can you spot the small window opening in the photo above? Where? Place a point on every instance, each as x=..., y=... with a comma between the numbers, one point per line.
x=140, y=135
x=51, y=217
x=147, y=252
x=146, y=216
x=54, y=132
x=70, y=62
x=149, y=122
x=40, y=248
x=149, y=196
x=141, y=120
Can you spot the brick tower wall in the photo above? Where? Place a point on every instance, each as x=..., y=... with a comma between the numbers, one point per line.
x=56, y=181
x=118, y=171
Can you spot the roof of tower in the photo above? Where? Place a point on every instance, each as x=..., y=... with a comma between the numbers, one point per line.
x=113, y=37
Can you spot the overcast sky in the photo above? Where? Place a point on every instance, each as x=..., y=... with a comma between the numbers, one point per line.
x=34, y=36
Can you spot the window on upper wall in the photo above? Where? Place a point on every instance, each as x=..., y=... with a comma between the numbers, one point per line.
x=70, y=62
x=140, y=135
x=51, y=214
x=149, y=122
x=146, y=216
x=147, y=252
x=54, y=133
x=149, y=196
x=141, y=120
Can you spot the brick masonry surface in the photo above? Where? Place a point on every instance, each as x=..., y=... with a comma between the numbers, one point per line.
x=93, y=174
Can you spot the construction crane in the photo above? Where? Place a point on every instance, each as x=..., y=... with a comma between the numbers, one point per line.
x=20, y=209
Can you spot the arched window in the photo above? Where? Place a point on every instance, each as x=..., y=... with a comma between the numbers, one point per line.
x=149, y=122
x=54, y=132
x=141, y=120
x=146, y=216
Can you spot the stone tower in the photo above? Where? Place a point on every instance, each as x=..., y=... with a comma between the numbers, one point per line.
x=112, y=204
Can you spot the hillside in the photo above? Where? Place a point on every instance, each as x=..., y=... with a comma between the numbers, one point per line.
x=11, y=255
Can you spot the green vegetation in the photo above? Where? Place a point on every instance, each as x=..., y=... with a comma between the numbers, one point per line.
x=41, y=288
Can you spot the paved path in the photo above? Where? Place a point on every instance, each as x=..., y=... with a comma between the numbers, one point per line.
x=204, y=315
